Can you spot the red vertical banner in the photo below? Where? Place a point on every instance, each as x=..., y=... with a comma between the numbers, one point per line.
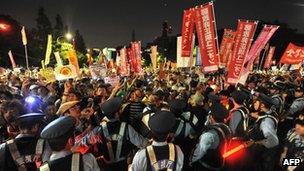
x=131, y=58
x=123, y=62
x=207, y=37
x=293, y=54
x=226, y=46
x=268, y=60
x=136, y=53
x=242, y=42
x=187, y=32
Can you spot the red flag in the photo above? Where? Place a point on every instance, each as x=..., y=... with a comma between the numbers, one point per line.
x=260, y=42
x=257, y=47
x=187, y=32
x=123, y=62
x=293, y=54
x=131, y=58
x=136, y=56
x=226, y=46
x=268, y=61
x=207, y=37
x=242, y=42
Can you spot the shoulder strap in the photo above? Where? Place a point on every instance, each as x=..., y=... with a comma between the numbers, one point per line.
x=75, y=162
x=45, y=167
x=171, y=155
x=19, y=160
x=245, y=117
x=152, y=157
x=109, y=144
x=120, y=140
x=269, y=116
x=39, y=146
x=105, y=129
x=145, y=119
x=38, y=153
x=180, y=127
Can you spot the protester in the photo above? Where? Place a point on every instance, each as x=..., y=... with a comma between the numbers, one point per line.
x=114, y=121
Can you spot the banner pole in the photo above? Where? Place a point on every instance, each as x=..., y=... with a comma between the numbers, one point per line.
x=263, y=57
x=26, y=57
x=216, y=36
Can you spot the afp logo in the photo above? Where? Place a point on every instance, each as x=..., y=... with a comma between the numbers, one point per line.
x=291, y=162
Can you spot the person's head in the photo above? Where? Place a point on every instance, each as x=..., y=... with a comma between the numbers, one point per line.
x=71, y=108
x=265, y=102
x=238, y=97
x=112, y=108
x=299, y=125
x=10, y=111
x=299, y=92
x=136, y=95
x=73, y=96
x=101, y=91
x=58, y=132
x=43, y=91
x=177, y=107
x=30, y=123
x=161, y=124
x=218, y=112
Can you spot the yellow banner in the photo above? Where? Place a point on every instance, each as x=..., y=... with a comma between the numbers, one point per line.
x=24, y=39
x=48, y=50
x=58, y=59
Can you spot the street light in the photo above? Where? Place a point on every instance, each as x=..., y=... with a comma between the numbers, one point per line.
x=67, y=36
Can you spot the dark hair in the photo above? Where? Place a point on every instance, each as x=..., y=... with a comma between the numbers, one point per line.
x=59, y=143
x=159, y=137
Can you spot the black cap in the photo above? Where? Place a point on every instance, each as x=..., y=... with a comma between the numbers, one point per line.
x=59, y=128
x=177, y=106
x=239, y=96
x=218, y=111
x=30, y=118
x=266, y=100
x=111, y=106
x=162, y=122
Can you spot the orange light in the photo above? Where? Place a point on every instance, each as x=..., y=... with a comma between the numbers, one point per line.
x=234, y=150
x=4, y=27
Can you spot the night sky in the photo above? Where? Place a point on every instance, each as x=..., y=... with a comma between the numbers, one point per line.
x=109, y=23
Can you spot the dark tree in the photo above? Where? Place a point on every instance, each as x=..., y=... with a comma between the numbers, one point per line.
x=10, y=39
x=38, y=37
x=44, y=26
x=79, y=43
x=59, y=27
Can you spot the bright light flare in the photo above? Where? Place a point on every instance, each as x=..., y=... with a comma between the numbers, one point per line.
x=68, y=36
x=30, y=100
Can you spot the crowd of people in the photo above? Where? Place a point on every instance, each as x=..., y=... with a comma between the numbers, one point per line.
x=185, y=120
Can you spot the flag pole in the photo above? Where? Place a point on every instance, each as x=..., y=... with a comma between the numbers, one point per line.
x=26, y=57
x=264, y=54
